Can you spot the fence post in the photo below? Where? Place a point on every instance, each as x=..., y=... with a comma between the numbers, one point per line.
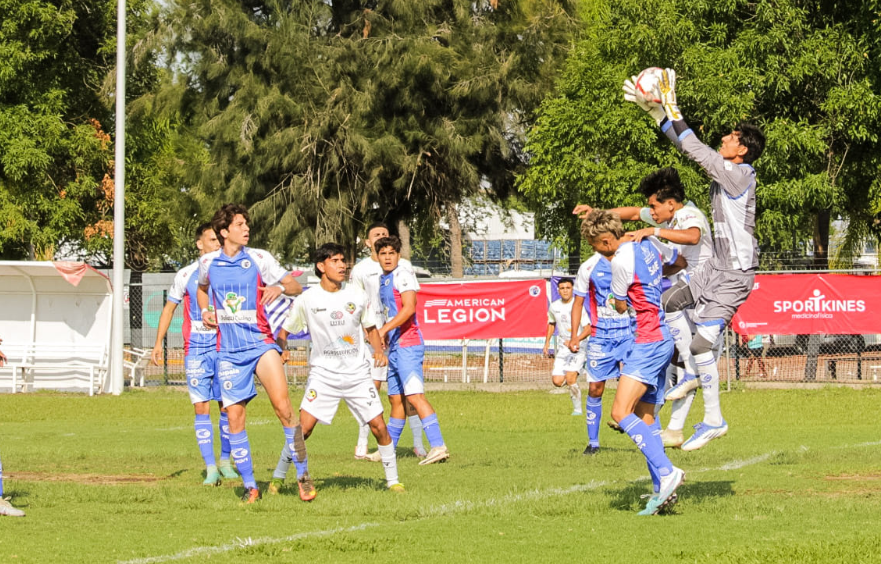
x=165, y=344
x=486, y=362
x=728, y=354
x=501, y=361
x=464, y=360
x=737, y=357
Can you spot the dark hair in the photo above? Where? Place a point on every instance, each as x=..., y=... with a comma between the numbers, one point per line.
x=390, y=241
x=202, y=229
x=224, y=216
x=664, y=184
x=324, y=252
x=565, y=281
x=375, y=225
x=753, y=139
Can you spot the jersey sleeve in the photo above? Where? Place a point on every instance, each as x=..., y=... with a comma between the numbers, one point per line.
x=179, y=286
x=727, y=174
x=582, y=279
x=688, y=217
x=296, y=320
x=552, y=317
x=204, y=264
x=622, y=271
x=409, y=266
x=405, y=281
x=270, y=270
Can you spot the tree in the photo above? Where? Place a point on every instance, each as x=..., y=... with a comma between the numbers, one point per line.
x=805, y=71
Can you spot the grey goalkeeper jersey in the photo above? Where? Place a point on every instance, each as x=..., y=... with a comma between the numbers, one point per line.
x=733, y=197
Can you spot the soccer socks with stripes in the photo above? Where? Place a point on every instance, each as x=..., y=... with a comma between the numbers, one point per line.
x=679, y=411
x=649, y=444
x=709, y=375
x=432, y=431
x=205, y=439
x=594, y=408
x=389, y=463
x=681, y=331
x=416, y=426
x=223, y=427
x=241, y=454
x=363, y=434
x=395, y=428
x=653, y=472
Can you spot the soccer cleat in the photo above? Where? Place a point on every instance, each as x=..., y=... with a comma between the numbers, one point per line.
x=7, y=509
x=703, y=434
x=680, y=390
x=669, y=483
x=250, y=496
x=615, y=427
x=227, y=472
x=419, y=451
x=436, y=454
x=307, y=488
x=275, y=486
x=397, y=488
x=672, y=438
x=361, y=452
x=374, y=456
x=212, y=477
x=577, y=412
x=591, y=450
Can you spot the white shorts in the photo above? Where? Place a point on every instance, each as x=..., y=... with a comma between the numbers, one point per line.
x=378, y=373
x=322, y=398
x=567, y=361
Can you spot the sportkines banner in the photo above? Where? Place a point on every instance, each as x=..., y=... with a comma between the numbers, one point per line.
x=483, y=310
x=807, y=304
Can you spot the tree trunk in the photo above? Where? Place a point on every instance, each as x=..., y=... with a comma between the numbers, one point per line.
x=821, y=240
x=404, y=236
x=457, y=265
x=574, y=246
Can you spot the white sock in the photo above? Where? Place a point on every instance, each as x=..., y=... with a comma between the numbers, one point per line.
x=363, y=433
x=389, y=463
x=709, y=375
x=575, y=394
x=681, y=331
x=679, y=411
x=416, y=426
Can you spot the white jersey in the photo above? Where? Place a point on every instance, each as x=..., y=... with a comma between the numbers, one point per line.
x=686, y=217
x=336, y=323
x=366, y=275
x=560, y=314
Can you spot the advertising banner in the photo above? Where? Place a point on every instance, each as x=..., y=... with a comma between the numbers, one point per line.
x=807, y=304
x=483, y=310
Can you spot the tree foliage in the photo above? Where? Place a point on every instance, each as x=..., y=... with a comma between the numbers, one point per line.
x=806, y=71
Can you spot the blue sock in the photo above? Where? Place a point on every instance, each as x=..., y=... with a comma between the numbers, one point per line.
x=223, y=426
x=205, y=438
x=301, y=461
x=656, y=478
x=395, y=428
x=646, y=442
x=432, y=430
x=593, y=408
x=241, y=454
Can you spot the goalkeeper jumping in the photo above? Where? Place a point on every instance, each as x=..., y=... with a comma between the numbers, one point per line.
x=724, y=282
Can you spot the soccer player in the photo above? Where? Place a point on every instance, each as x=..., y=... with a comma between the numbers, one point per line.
x=6, y=507
x=567, y=364
x=406, y=349
x=200, y=360
x=637, y=269
x=688, y=231
x=337, y=319
x=242, y=281
x=719, y=286
x=366, y=275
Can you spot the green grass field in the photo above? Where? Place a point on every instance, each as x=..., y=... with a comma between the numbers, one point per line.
x=117, y=479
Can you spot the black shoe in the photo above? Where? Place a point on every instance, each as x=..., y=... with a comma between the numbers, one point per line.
x=615, y=427
x=591, y=450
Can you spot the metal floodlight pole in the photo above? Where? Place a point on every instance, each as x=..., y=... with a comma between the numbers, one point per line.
x=116, y=341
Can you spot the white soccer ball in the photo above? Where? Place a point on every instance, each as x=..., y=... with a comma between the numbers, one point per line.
x=646, y=85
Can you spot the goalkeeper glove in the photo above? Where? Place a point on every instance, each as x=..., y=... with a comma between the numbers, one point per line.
x=631, y=94
x=666, y=91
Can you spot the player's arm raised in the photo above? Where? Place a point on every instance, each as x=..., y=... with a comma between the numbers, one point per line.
x=407, y=310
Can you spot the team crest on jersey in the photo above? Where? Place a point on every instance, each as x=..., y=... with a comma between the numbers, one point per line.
x=232, y=302
x=311, y=395
x=350, y=307
x=227, y=385
x=246, y=264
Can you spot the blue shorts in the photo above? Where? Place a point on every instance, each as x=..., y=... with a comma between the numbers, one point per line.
x=647, y=363
x=236, y=373
x=202, y=381
x=603, y=356
x=405, y=370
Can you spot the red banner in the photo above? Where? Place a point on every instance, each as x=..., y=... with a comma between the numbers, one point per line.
x=483, y=310
x=808, y=304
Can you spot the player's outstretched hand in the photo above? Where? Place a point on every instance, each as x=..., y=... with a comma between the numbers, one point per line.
x=632, y=94
x=270, y=293
x=379, y=359
x=666, y=91
x=582, y=210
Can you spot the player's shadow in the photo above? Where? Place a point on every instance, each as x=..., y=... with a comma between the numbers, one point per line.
x=629, y=497
x=182, y=472
x=349, y=483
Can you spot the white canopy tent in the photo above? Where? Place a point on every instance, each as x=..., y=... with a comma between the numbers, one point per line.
x=68, y=304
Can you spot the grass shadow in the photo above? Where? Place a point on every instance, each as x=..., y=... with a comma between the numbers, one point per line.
x=344, y=482
x=629, y=498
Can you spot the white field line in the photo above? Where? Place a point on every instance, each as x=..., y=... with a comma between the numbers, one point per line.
x=459, y=506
